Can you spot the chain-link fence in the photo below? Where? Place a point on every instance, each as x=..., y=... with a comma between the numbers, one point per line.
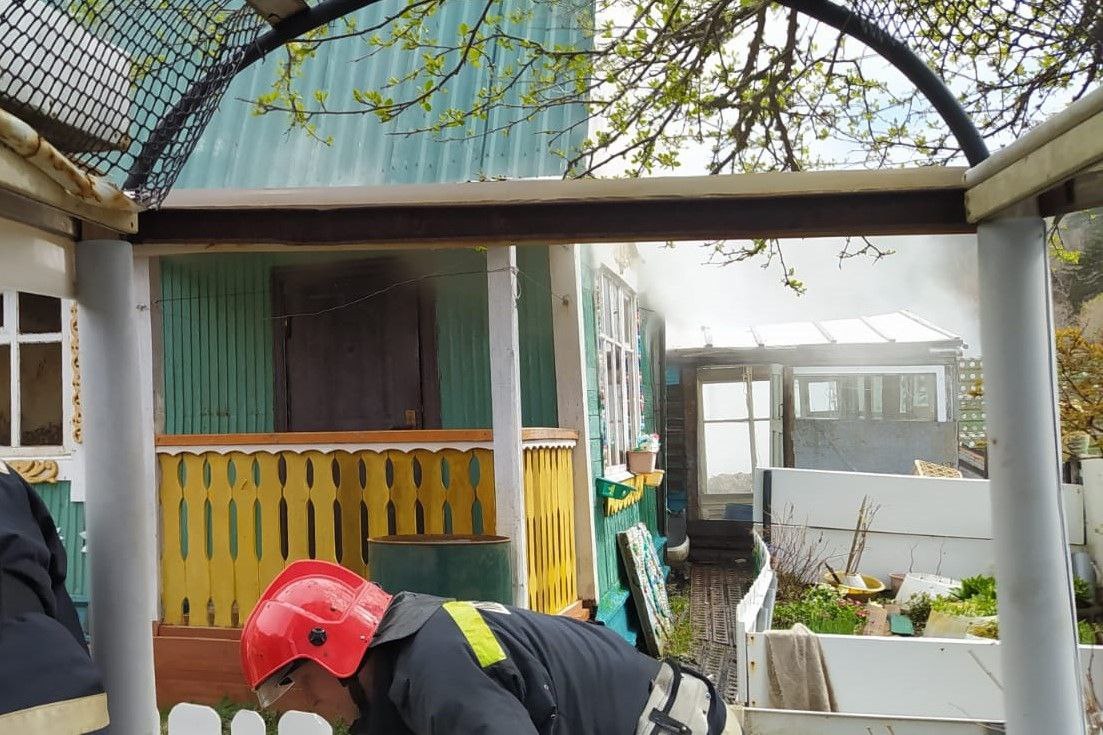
x=124, y=89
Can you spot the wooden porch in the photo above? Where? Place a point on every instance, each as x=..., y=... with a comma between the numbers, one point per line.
x=236, y=509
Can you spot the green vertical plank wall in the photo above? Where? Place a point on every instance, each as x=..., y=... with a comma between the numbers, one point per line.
x=69, y=518
x=217, y=335
x=218, y=331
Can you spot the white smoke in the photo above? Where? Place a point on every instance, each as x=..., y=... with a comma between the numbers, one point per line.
x=933, y=276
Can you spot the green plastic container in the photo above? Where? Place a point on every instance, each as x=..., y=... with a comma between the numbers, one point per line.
x=460, y=567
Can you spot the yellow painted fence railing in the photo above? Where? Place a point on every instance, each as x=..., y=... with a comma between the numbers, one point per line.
x=234, y=513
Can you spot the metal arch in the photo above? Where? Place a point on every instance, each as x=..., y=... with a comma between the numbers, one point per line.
x=295, y=26
x=907, y=63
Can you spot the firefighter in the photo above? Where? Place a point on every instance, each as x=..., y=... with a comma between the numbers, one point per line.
x=48, y=683
x=418, y=664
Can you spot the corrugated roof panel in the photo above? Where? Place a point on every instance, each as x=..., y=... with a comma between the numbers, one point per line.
x=851, y=331
x=899, y=327
x=242, y=150
x=792, y=333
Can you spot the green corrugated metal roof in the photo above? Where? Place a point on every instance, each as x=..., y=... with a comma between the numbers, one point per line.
x=242, y=150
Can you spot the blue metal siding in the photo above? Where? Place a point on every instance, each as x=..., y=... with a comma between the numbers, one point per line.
x=242, y=150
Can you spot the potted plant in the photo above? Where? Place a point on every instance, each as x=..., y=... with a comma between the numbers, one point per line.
x=641, y=460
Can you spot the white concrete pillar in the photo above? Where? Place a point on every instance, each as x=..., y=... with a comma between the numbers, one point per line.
x=568, y=332
x=1040, y=667
x=119, y=504
x=505, y=394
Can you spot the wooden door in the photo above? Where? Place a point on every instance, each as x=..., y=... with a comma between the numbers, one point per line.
x=347, y=348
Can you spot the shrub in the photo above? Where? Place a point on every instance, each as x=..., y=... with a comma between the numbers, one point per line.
x=823, y=610
x=975, y=607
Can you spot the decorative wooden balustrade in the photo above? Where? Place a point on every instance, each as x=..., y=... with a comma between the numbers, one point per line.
x=235, y=510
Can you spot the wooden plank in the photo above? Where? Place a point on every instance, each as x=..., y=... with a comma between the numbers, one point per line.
x=568, y=336
x=350, y=494
x=436, y=436
x=296, y=494
x=486, y=490
x=461, y=493
x=323, y=495
x=376, y=492
x=403, y=492
x=1051, y=164
x=173, y=575
x=877, y=621
x=247, y=564
x=535, y=578
x=20, y=177
x=269, y=494
x=431, y=491
x=36, y=261
x=221, y=562
x=576, y=610
x=196, y=568
x=505, y=395
x=413, y=436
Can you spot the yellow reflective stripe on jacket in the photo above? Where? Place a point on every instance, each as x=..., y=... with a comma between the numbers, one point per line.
x=488, y=650
x=69, y=717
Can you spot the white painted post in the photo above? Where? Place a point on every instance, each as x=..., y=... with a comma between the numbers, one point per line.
x=505, y=395
x=118, y=505
x=303, y=723
x=1040, y=661
x=188, y=719
x=143, y=314
x=568, y=334
x=247, y=722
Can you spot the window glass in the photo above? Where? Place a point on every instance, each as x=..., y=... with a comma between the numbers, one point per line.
x=40, y=394
x=728, y=458
x=39, y=314
x=823, y=397
x=724, y=400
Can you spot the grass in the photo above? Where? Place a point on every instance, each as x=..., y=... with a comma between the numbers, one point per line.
x=680, y=643
x=227, y=709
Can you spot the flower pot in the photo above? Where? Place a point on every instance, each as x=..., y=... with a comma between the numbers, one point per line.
x=641, y=463
x=895, y=580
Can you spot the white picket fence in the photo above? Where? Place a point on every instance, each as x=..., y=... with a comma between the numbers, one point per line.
x=755, y=612
x=196, y=719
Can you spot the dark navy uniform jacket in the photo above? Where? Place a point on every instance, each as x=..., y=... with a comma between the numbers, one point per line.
x=48, y=683
x=430, y=670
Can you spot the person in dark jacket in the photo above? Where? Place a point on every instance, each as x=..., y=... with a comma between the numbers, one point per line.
x=421, y=665
x=48, y=683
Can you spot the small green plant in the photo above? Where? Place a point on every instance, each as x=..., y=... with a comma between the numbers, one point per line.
x=680, y=643
x=974, y=607
x=918, y=609
x=1086, y=632
x=986, y=629
x=1083, y=592
x=823, y=610
x=978, y=586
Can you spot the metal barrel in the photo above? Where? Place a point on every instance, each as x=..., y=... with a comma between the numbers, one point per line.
x=460, y=567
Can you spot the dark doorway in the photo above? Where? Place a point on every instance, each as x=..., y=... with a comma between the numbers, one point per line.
x=354, y=348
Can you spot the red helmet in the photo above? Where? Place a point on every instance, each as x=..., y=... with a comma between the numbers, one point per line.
x=313, y=611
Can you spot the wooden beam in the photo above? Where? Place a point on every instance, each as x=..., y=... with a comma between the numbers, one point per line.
x=20, y=177
x=427, y=436
x=794, y=204
x=1050, y=165
x=36, y=261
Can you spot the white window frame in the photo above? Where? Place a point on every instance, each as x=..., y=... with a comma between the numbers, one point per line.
x=941, y=405
x=621, y=400
x=707, y=376
x=65, y=454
